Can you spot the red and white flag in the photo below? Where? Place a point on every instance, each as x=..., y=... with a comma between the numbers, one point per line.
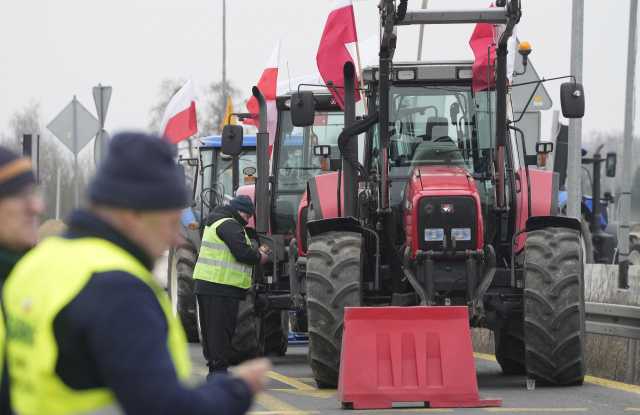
x=483, y=42
x=179, y=121
x=267, y=85
x=333, y=52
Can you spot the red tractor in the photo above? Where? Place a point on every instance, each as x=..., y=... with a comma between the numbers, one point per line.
x=443, y=209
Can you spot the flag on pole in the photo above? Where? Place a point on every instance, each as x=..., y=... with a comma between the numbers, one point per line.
x=483, y=42
x=228, y=118
x=179, y=121
x=267, y=85
x=333, y=52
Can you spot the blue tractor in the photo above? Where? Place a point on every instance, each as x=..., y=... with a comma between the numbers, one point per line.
x=599, y=235
x=216, y=177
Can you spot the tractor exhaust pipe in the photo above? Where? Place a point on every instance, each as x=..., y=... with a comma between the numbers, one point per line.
x=350, y=149
x=262, y=181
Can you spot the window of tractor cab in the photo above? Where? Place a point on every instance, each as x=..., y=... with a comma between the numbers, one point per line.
x=433, y=125
x=224, y=171
x=296, y=160
x=297, y=163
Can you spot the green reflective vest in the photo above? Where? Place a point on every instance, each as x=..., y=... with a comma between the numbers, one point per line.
x=40, y=286
x=217, y=264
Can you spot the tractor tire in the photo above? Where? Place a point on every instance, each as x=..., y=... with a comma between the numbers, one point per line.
x=634, y=255
x=333, y=283
x=509, y=346
x=246, y=343
x=554, y=328
x=186, y=257
x=586, y=242
x=275, y=332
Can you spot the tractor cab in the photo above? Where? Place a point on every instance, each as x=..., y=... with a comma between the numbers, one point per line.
x=215, y=184
x=300, y=154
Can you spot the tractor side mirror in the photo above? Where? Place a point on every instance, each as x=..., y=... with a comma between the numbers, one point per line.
x=572, y=100
x=303, y=109
x=543, y=149
x=610, y=164
x=232, y=137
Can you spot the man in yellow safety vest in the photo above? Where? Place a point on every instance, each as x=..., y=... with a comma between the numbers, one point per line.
x=223, y=276
x=89, y=329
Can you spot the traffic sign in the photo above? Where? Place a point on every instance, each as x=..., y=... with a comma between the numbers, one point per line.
x=102, y=96
x=74, y=126
x=520, y=94
x=100, y=146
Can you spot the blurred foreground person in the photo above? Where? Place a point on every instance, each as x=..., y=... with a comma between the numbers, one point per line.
x=90, y=331
x=20, y=207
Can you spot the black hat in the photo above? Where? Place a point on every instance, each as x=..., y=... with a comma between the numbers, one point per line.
x=139, y=172
x=242, y=203
x=15, y=172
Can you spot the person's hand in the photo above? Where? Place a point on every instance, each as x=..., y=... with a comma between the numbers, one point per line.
x=254, y=373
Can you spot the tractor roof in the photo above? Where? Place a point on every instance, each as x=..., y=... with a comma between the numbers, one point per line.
x=425, y=71
x=215, y=141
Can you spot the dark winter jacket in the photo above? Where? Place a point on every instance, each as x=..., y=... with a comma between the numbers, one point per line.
x=114, y=335
x=8, y=260
x=232, y=234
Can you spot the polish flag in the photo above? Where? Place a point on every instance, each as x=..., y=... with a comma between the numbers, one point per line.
x=179, y=121
x=483, y=42
x=267, y=84
x=333, y=52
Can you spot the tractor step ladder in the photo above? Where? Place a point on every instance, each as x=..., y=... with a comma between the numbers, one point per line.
x=408, y=355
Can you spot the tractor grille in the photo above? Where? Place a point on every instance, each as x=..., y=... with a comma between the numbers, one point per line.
x=446, y=214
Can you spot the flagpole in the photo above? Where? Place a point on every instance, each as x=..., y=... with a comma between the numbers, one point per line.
x=425, y=4
x=364, y=97
x=224, y=51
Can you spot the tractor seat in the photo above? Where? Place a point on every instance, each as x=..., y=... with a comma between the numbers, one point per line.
x=437, y=127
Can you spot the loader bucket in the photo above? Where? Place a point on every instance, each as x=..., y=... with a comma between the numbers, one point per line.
x=408, y=355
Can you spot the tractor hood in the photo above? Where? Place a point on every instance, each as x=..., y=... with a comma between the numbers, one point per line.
x=437, y=178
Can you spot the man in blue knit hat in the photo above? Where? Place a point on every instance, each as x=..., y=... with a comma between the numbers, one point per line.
x=222, y=278
x=89, y=330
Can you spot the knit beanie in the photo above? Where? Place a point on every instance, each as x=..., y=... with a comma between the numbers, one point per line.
x=243, y=204
x=15, y=173
x=140, y=173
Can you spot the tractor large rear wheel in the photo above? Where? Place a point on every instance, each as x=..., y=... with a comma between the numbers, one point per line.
x=186, y=257
x=275, y=332
x=509, y=343
x=245, y=344
x=554, y=330
x=333, y=283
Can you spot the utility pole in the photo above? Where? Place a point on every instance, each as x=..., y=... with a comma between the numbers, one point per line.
x=425, y=4
x=574, y=159
x=629, y=113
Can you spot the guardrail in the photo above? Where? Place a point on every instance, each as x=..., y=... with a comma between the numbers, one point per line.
x=613, y=320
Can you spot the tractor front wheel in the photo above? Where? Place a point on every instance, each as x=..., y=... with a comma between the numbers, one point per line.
x=333, y=283
x=554, y=331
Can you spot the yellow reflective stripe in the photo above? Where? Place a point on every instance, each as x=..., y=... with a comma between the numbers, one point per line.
x=213, y=245
x=218, y=263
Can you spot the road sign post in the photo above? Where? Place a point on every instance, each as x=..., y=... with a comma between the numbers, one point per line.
x=74, y=126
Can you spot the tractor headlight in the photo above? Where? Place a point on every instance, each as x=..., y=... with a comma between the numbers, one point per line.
x=434, y=234
x=461, y=234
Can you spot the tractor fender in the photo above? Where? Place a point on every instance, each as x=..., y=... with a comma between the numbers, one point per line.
x=535, y=223
x=321, y=198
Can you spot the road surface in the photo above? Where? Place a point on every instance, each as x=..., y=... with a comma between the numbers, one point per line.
x=291, y=391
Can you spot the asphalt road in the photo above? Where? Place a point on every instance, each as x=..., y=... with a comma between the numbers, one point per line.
x=291, y=391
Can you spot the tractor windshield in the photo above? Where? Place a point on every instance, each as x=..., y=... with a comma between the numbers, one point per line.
x=224, y=170
x=296, y=161
x=440, y=125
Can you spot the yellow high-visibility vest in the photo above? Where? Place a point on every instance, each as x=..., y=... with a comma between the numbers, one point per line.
x=46, y=280
x=217, y=264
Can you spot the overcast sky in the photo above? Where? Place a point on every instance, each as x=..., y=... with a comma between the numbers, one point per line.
x=51, y=50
